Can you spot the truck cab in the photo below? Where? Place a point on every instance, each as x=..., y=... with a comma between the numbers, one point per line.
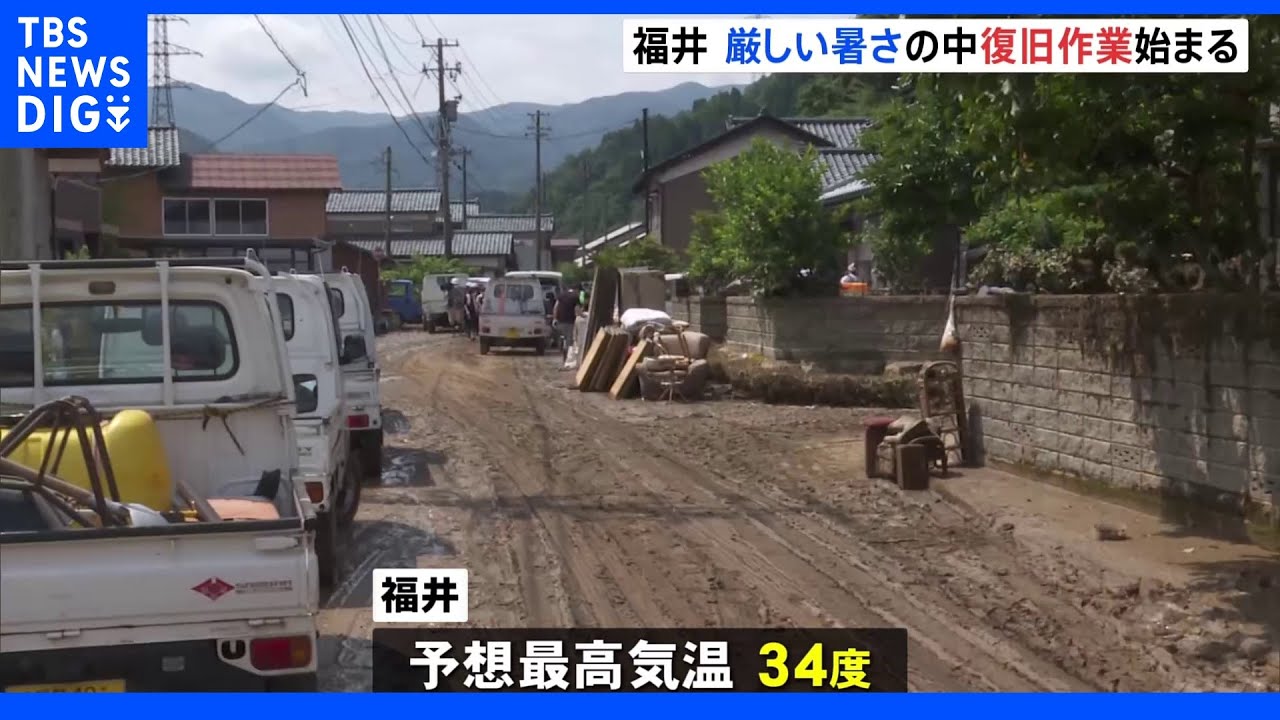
x=360, y=371
x=402, y=303
x=208, y=581
x=331, y=476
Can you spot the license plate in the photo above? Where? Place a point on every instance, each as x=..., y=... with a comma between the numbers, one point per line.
x=85, y=687
x=513, y=333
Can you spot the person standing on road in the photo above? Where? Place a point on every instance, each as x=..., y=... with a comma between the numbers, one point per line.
x=471, y=313
x=563, y=316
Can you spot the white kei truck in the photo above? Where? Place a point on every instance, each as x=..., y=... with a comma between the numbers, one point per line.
x=191, y=566
x=360, y=371
x=329, y=471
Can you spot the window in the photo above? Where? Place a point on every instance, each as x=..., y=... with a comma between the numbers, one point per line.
x=286, y=314
x=397, y=290
x=223, y=217
x=337, y=302
x=306, y=390
x=98, y=343
x=186, y=217
x=240, y=217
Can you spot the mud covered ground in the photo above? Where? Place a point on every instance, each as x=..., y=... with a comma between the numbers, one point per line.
x=570, y=509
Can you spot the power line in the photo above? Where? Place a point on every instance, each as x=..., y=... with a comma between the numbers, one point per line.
x=214, y=145
x=396, y=79
x=363, y=66
x=302, y=76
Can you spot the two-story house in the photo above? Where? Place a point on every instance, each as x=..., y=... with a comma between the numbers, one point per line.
x=223, y=204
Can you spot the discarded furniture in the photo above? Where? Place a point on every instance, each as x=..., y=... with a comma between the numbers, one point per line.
x=680, y=372
x=874, y=431
x=942, y=406
x=912, y=466
x=907, y=430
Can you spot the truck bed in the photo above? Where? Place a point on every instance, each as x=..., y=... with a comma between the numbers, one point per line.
x=70, y=582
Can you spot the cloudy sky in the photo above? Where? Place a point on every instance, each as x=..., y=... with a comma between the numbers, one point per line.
x=505, y=58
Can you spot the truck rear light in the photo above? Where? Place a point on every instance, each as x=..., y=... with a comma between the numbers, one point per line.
x=537, y=331
x=280, y=653
x=357, y=421
x=315, y=492
x=485, y=329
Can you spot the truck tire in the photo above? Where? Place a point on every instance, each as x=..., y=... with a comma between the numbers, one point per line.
x=369, y=450
x=541, y=347
x=304, y=683
x=484, y=346
x=347, y=502
x=430, y=325
x=327, y=548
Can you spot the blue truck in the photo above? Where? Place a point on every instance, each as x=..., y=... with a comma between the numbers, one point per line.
x=402, y=303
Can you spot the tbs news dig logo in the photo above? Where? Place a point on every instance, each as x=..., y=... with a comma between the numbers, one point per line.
x=75, y=90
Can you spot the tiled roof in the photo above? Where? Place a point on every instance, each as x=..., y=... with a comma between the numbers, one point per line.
x=737, y=127
x=493, y=222
x=235, y=171
x=162, y=151
x=842, y=173
x=840, y=166
x=840, y=132
x=465, y=244
x=404, y=202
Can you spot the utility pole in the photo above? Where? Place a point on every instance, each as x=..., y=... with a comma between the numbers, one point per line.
x=464, y=153
x=644, y=160
x=162, y=82
x=447, y=113
x=539, y=131
x=386, y=229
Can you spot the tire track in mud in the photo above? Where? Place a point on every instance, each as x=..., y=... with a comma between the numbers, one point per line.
x=1090, y=652
x=503, y=549
x=791, y=567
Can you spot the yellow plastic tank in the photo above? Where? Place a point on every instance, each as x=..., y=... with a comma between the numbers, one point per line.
x=137, y=454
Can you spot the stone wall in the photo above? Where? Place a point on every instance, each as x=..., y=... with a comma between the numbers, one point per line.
x=1179, y=395
x=857, y=335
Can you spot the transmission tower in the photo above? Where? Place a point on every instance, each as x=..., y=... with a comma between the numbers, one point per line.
x=162, y=82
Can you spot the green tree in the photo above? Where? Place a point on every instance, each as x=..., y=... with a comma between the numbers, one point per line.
x=769, y=223
x=421, y=266
x=1072, y=181
x=647, y=252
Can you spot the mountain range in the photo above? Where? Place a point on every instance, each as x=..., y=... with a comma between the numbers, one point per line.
x=500, y=167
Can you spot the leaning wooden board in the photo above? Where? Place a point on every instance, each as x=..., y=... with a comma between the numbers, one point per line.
x=628, y=379
x=611, y=359
x=586, y=369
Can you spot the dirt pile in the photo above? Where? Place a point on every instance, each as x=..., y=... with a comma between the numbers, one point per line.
x=754, y=377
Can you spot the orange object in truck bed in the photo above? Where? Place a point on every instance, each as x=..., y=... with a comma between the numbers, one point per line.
x=244, y=508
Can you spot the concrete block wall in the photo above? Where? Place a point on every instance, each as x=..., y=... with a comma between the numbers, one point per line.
x=1177, y=395
x=856, y=335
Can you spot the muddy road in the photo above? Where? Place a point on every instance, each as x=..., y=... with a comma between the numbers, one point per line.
x=570, y=509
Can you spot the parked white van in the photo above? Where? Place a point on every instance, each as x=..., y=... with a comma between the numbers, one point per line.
x=514, y=314
x=360, y=370
x=327, y=466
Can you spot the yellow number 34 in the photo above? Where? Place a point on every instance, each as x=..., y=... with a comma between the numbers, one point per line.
x=809, y=668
